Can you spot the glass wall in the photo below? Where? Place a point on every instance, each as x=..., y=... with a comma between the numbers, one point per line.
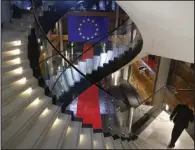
x=143, y=75
x=181, y=78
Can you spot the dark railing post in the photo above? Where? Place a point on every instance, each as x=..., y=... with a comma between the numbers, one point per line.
x=132, y=29
x=130, y=120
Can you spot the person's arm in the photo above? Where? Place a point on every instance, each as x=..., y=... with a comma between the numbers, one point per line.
x=174, y=112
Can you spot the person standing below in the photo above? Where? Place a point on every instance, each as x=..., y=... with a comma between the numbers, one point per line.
x=33, y=52
x=181, y=116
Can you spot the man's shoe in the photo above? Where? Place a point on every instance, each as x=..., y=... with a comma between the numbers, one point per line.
x=171, y=146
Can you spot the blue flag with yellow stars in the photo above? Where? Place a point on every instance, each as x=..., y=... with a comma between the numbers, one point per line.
x=83, y=28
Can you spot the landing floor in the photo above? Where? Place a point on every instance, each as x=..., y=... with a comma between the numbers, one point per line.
x=159, y=133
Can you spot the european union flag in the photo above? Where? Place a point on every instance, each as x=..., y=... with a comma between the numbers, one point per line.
x=82, y=28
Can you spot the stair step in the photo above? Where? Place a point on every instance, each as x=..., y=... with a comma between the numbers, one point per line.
x=18, y=27
x=109, y=142
x=69, y=77
x=86, y=139
x=23, y=63
x=55, y=136
x=96, y=62
x=109, y=56
x=76, y=75
x=125, y=144
x=138, y=145
x=98, y=141
x=89, y=63
x=115, y=53
x=63, y=81
x=13, y=62
x=145, y=144
x=118, y=144
x=58, y=87
x=82, y=67
x=23, y=24
x=15, y=88
x=132, y=145
x=11, y=77
x=13, y=35
x=73, y=132
x=41, y=127
x=22, y=21
x=11, y=109
x=12, y=135
x=103, y=57
x=56, y=90
x=13, y=54
x=12, y=45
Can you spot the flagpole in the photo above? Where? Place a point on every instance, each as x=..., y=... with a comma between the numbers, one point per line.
x=116, y=25
x=61, y=40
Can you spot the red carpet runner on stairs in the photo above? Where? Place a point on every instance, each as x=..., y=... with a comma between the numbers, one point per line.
x=88, y=106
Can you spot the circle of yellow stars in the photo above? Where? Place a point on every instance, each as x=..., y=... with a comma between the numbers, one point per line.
x=88, y=20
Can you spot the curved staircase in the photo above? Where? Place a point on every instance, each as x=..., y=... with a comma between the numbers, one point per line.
x=95, y=68
x=31, y=121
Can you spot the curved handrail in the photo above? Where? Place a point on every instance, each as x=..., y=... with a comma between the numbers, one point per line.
x=45, y=60
x=89, y=79
x=150, y=96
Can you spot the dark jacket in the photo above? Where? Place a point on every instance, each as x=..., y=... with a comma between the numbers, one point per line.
x=182, y=114
x=33, y=46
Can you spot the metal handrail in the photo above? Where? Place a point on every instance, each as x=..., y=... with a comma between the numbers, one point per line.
x=168, y=87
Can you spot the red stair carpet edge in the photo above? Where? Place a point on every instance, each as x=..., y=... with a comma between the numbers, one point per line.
x=88, y=106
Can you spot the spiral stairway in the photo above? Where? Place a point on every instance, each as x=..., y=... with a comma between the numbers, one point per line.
x=95, y=68
x=29, y=118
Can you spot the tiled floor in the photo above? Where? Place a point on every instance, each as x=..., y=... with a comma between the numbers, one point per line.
x=158, y=133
